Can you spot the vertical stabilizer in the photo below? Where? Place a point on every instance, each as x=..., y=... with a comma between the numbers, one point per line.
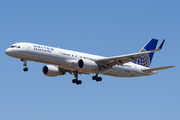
x=146, y=59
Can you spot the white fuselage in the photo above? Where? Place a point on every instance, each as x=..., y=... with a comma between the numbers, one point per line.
x=67, y=59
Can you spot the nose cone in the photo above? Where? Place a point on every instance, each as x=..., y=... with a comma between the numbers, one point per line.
x=9, y=51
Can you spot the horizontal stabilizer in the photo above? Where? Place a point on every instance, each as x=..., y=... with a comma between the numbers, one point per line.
x=156, y=69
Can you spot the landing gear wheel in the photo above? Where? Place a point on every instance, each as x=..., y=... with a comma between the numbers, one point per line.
x=74, y=81
x=99, y=79
x=94, y=77
x=25, y=69
x=78, y=82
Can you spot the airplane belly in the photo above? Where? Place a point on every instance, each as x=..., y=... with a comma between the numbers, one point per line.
x=119, y=71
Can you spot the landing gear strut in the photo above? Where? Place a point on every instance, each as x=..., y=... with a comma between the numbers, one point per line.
x=25, y=64
x=78, y=82
x=96, y=76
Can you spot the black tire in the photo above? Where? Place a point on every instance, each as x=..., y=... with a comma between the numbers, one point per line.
x=74, y=81
x=100, y=78
x=94, y=77
x=25, y=69
x=79, y=82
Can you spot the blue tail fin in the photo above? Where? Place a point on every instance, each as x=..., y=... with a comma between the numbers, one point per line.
x=145, y=60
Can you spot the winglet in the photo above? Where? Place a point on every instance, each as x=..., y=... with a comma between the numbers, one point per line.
x=160, y=47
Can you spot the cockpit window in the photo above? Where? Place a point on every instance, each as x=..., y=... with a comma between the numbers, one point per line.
x=15, y=46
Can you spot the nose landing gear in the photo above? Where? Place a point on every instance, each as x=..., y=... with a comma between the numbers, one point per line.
x=25, y=64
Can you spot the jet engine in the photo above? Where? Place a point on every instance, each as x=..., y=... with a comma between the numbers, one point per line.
x=52, y=71
x=87, y=65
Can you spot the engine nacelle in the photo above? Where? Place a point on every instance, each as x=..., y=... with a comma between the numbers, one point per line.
x=87, y=65
x=52, y=71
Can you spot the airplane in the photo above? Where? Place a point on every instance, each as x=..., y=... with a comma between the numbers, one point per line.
x=66, y=61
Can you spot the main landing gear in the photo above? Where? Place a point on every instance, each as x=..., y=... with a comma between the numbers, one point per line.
x=78, y=82
x=96, y=76
x=25, y=64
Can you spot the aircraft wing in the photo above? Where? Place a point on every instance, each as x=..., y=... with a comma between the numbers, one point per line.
x=120, y=60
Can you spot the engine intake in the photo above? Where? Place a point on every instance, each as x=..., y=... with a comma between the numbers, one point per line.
x=87, y=65
x=52, y=71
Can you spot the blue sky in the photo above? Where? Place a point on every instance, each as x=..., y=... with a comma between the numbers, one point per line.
x=106, y=28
